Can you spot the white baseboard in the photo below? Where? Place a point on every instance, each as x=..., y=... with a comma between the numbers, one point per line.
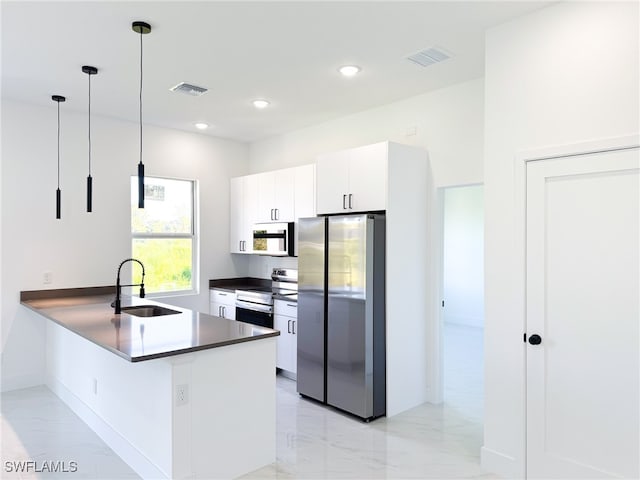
x=120, y=445
x=500, y=464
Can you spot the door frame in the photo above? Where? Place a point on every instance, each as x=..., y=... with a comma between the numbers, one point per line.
x=522, y=158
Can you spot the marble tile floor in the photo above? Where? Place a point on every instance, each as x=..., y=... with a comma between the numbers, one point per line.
x=36, y=425
x=313, y=441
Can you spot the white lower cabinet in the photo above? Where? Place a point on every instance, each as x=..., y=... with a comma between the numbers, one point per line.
x=286, y=319
x=222, y=303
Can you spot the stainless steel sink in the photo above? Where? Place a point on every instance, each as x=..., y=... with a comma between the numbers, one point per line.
x=148, y=311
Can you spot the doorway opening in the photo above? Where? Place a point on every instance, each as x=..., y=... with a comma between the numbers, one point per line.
x=462, y=306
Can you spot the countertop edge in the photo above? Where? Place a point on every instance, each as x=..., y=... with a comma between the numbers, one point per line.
x=27, y=296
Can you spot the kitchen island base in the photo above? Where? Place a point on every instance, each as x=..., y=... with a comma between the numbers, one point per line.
x=205, y=414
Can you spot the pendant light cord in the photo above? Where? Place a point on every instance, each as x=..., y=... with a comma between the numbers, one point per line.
x=140, y=96
x=58, y=145
x=89, y=124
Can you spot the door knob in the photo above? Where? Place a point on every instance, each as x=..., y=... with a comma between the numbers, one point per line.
x=535, y=339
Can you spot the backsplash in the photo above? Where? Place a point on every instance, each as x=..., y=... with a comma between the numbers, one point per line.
x=261, y=266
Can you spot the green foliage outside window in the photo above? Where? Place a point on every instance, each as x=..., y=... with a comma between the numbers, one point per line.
x=167, y=263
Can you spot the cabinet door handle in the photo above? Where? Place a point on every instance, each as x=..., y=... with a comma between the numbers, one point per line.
x=344, y=202
x=219, y=311
x=288, y=326
x=277, y=214
x=293, y=328
x=350, y=198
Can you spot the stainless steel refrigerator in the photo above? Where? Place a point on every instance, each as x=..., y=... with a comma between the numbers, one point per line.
x=341, y=312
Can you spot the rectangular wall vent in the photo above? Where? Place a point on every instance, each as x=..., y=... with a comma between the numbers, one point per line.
x=429, y=56
x=189, y=89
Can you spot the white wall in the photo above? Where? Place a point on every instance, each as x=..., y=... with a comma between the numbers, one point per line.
x=562, y=75
x=85, y=249
x=463, y=272
x=448, y=122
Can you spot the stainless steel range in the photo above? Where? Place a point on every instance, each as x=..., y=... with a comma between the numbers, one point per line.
x=255, y=304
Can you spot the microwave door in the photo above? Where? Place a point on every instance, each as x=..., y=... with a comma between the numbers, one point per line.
x=273, y=239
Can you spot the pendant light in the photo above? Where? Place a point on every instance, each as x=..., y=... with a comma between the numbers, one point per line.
x=89, y=71
x=58, y=99
x=142, y=28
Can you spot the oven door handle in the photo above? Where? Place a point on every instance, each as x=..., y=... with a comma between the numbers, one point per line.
x=256, y=307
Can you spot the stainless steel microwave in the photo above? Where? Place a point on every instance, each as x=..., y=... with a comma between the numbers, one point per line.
x=275, y=239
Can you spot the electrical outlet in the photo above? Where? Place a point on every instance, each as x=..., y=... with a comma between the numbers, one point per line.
x=182, y=394
x=47, y=278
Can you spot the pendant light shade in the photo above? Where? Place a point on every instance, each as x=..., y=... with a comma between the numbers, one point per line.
x=58, y=99
x=89, y=71
x=142, y=28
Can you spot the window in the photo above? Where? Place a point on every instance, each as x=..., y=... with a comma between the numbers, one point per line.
x=163, y=234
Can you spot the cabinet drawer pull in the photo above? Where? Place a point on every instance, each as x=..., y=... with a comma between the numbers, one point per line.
x=292, y=305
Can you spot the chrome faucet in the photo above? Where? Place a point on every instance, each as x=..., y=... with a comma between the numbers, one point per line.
x=116, y=303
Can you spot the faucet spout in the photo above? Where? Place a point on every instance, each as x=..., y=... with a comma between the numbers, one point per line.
x=117, y=303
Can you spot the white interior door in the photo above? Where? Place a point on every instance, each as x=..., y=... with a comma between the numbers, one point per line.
x=582, y=300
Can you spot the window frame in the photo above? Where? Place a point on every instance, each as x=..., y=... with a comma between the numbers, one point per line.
x=194, y=236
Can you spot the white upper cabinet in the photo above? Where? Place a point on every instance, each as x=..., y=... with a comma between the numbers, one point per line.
x=276, y=196
x=368, y=178
x=353, y=180
x=332, y=181
x=305, y=191
x=243, y=203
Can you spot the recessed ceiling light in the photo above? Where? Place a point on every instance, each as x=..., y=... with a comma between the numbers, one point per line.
x=201, y=125
x=349, y=70
x=260, y=103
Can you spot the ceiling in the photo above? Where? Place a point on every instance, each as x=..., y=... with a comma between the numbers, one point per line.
x=286, y=52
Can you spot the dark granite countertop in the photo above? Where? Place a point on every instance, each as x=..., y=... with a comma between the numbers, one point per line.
x=87, y=312
x=239, y=283
x=293, y=298
x=246, y=283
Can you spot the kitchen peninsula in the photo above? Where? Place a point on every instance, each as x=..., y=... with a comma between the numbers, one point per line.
x=173, y=395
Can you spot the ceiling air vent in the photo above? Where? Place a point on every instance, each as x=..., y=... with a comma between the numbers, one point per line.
x=189, y=89
x=429, y=56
